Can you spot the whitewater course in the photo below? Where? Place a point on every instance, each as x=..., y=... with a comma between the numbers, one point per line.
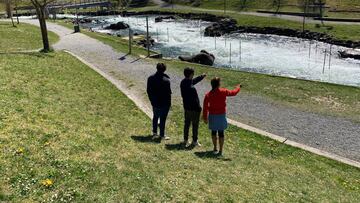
x=268, y=54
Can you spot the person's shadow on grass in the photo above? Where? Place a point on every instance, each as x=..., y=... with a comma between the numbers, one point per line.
x=210, y=155
x=178, y=146
x=146, y=139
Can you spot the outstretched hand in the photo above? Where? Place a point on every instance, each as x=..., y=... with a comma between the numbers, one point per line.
x=239, y=86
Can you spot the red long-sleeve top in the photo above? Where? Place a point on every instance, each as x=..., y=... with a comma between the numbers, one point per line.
x=215, y=101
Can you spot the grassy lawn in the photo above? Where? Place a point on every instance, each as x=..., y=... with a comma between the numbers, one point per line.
x=310, y=96
x=22, y=37
x=2, y=7
x=67, y=134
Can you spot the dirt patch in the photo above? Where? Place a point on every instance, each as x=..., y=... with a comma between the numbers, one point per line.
x=331, y=102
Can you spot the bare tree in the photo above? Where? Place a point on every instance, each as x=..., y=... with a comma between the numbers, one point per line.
x=278, y=4
x=16, y=11
x=9, y=11
x=243, y=4
x=8, y=8
x=306, y=6
x=40, y=7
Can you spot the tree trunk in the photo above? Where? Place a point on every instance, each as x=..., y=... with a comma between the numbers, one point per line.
x=41, y=16
x=16, y=12
x=8, y=8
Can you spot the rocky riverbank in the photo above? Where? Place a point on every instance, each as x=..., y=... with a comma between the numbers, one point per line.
x=229, y=26
x=226, y=25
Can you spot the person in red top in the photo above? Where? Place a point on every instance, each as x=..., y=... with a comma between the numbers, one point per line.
x=214, y=112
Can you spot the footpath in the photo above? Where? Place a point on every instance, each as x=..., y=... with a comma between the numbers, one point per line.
x=333, y=137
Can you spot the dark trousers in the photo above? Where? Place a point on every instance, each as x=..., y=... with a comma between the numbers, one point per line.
x=191, y=118
x=160, y=113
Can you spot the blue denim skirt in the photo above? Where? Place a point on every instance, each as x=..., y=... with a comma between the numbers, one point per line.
x=217, y=122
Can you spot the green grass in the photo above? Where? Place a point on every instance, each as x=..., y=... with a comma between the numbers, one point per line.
x=289, y=6
x=22, y=37
x=267, y=4
x=2, y=7
x=329, y=99
x=343, y=32
x=61, y=121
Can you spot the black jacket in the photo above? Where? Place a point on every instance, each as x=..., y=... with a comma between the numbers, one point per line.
x=159, y=90
x=189, y=94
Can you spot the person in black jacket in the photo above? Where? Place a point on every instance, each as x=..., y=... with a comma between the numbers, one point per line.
x=159, y=92
x=191, y=105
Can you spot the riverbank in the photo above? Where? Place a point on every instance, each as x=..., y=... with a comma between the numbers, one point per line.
x=342, y=35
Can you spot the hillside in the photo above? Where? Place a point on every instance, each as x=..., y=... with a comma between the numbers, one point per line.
x=266, y=4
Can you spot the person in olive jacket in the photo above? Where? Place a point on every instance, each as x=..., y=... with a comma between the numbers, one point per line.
x=159, y=92
x=191, y=105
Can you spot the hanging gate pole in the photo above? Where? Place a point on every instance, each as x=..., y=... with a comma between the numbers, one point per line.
x=147, y=36
x=330, y=56
x=324, y=61
x=130, y=40
x=230, y=52
x=240, y=49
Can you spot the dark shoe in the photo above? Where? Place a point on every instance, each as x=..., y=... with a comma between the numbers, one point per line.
x=155, y=136
x=185, y=143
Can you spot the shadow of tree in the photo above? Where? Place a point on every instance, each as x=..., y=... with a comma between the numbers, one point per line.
x=146, y=139
x=29, y=53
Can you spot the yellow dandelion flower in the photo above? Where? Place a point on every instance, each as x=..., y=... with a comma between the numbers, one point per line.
x=20, y=150
x=47, y=182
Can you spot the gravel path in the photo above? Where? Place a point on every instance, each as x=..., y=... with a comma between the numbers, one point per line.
x=334, y=135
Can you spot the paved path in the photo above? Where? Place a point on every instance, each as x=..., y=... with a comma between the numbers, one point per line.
x=163, y=4
x=334, y=135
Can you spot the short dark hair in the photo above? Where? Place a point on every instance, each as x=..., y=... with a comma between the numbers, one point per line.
x=161, y=67
x=215, y=82
x=188, y=71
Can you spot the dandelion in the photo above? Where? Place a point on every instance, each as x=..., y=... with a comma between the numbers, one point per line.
x=47, y=182
x=20, y=150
